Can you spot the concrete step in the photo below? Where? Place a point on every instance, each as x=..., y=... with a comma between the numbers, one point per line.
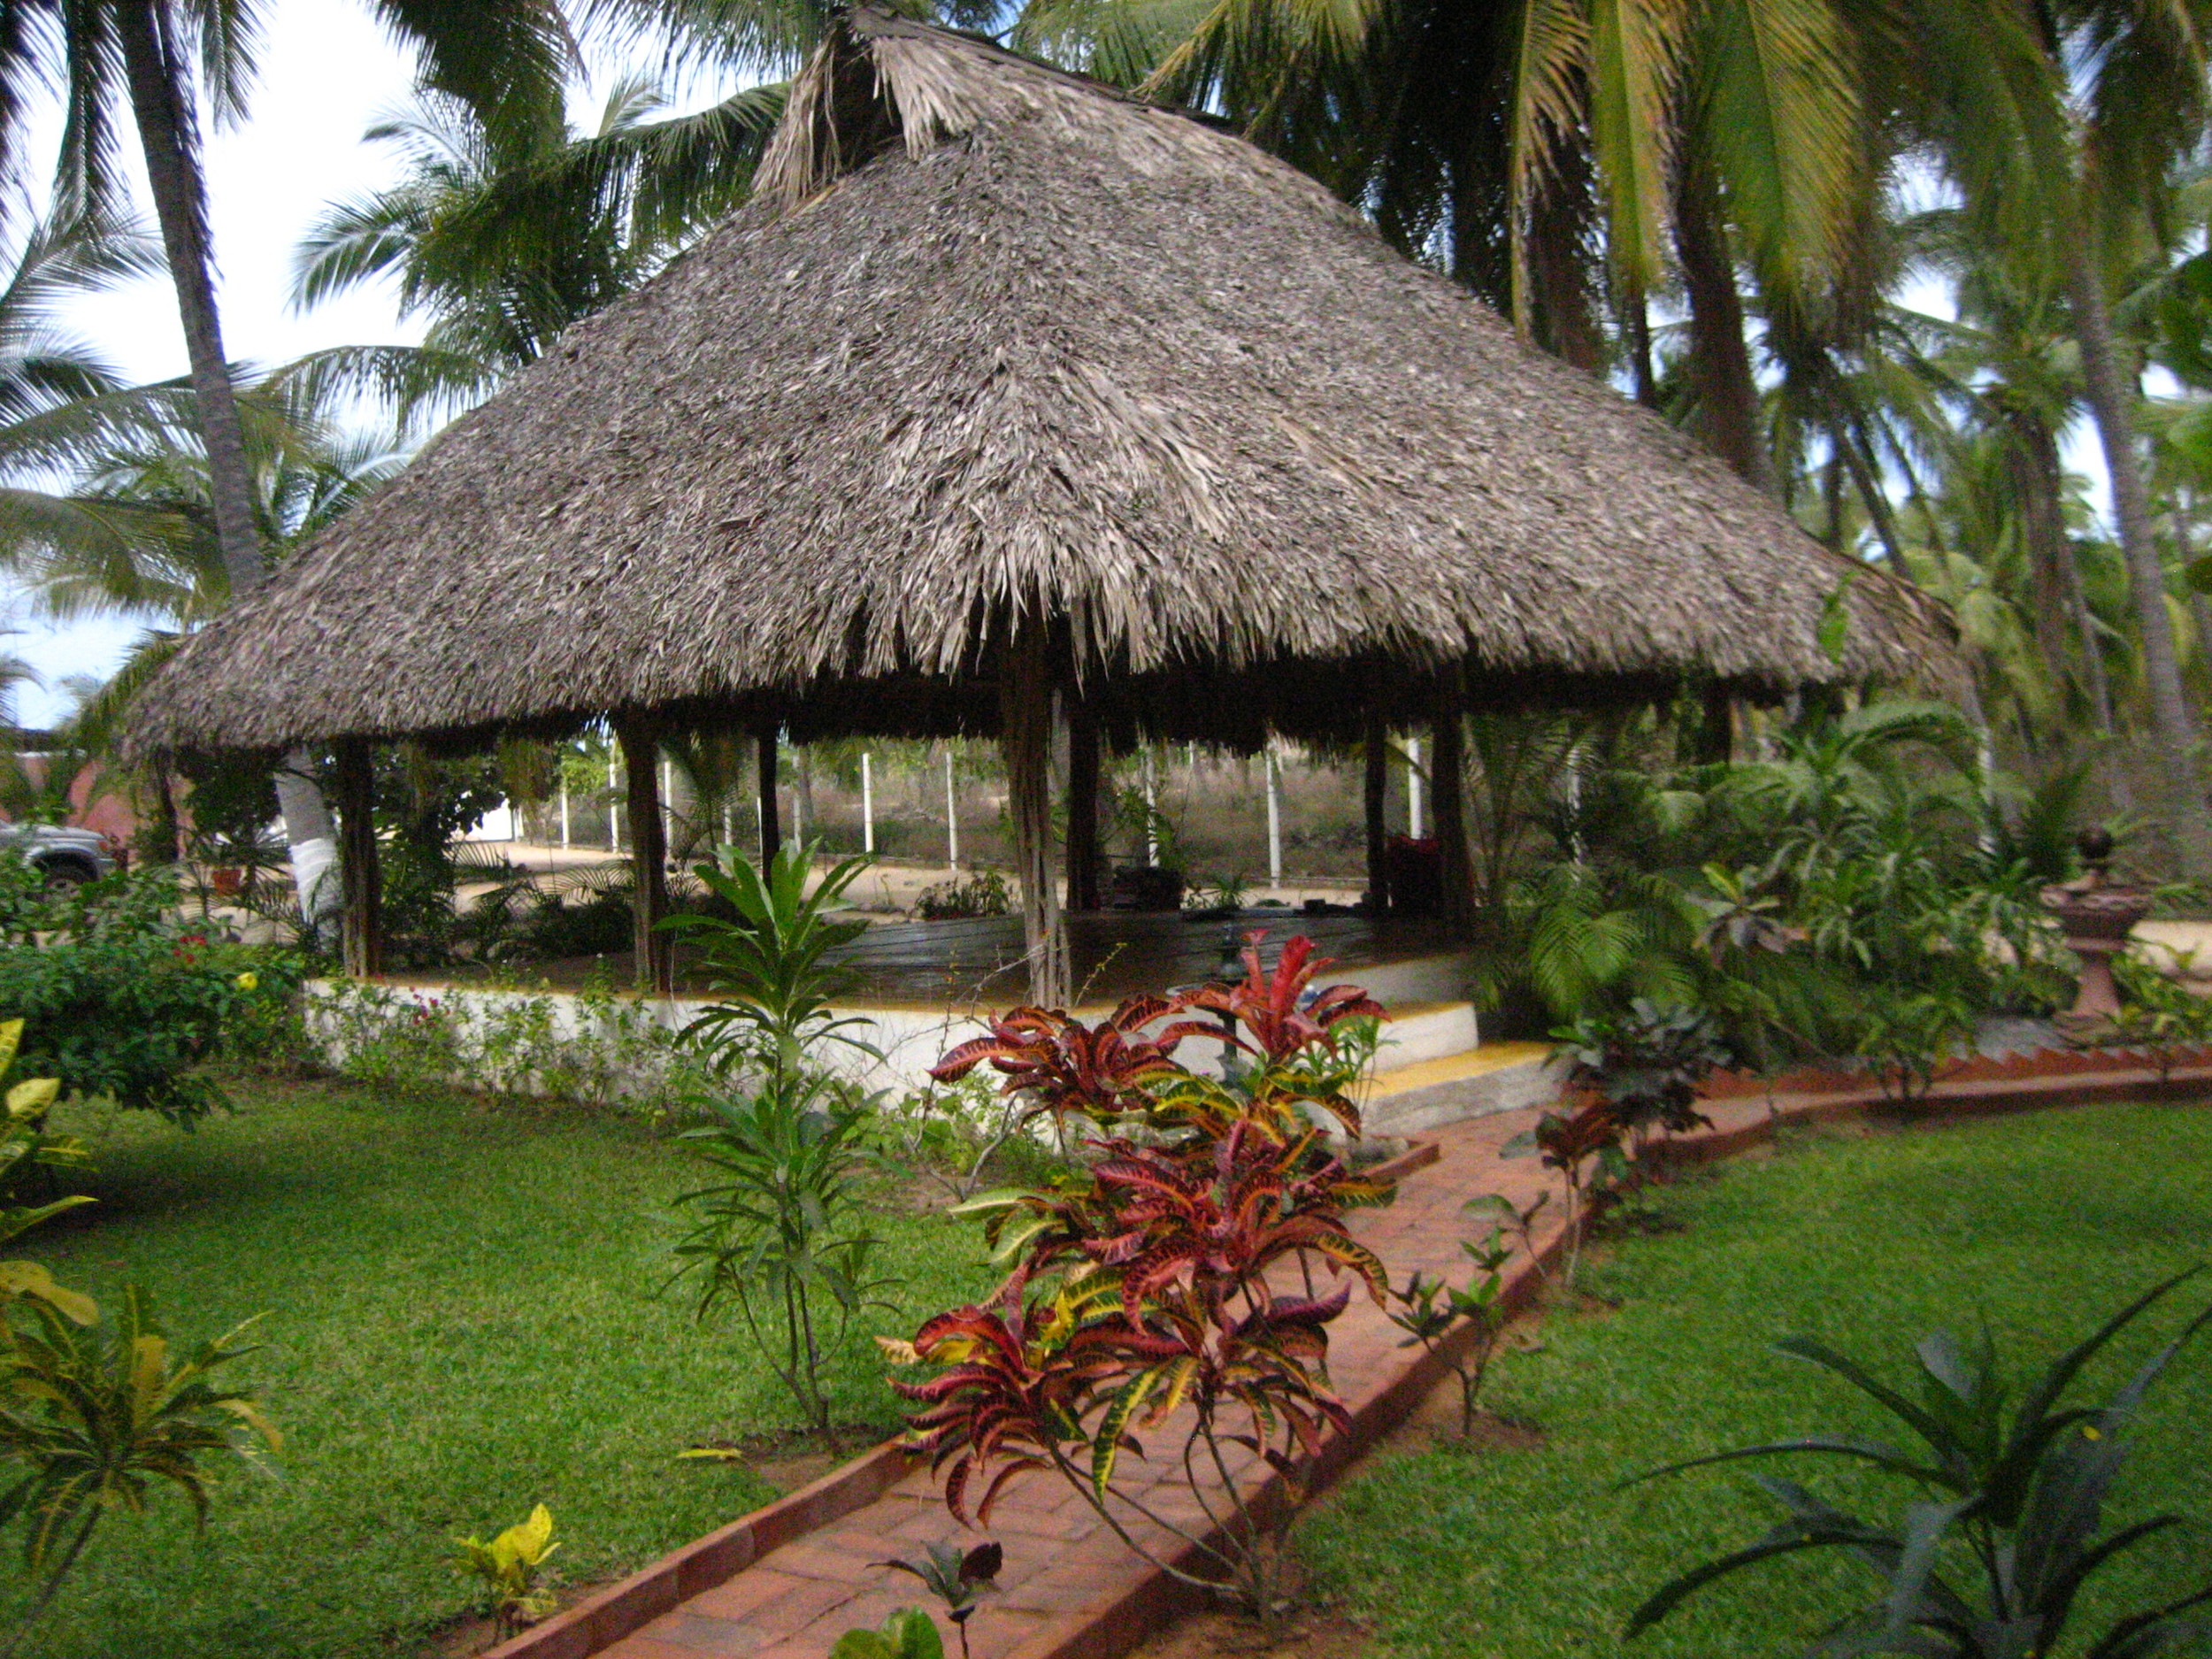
x=1420, y=1092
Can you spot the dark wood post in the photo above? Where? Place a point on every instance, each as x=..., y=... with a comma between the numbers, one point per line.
x=771, y=825
x=1025, y=735
x=362, y=926
x=1716, y=733
x=653, y=950
x=1447, y=788
x=1378, y=786
x=1083, y=771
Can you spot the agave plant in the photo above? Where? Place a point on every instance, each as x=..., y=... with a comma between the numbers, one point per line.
x=1989, y=1558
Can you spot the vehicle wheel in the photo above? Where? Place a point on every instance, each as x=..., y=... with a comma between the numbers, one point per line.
x=66, y=876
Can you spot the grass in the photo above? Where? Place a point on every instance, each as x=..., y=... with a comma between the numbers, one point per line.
x=464, y=1317
x=2041, y=1225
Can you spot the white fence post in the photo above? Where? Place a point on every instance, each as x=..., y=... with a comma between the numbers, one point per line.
x=1274, y=821
x=1151, y=811
x=867, y=804
x=1413, y=788
x=952, y=816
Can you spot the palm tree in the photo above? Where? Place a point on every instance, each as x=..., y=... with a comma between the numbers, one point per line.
x=503, y=240
x=2126, y=102
x=1512, y=143
x=161, y=59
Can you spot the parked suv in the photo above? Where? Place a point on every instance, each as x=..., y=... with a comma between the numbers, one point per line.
x=66, y=858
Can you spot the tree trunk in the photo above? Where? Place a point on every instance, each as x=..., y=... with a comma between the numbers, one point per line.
x=1636, y=326
x=363, y=933
x=1025, y=732
x=2047, y=532
x=156, y=72
x=2113, y=407
x=1083, y=779
x=1564, y=310
x=1376, y=795
x=1720, y=361
x=653, y=950
x=771, y=829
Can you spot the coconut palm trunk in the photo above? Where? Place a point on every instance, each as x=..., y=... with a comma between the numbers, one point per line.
x=168, y=135
x=2113, y=408
x=1720, y=358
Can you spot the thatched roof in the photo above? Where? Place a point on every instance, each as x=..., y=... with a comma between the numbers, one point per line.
x=993, y=338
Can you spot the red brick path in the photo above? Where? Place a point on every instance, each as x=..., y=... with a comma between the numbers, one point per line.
x=1069, y=1589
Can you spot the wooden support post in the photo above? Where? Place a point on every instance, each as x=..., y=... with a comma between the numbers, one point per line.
x=770, y=827
x=1716, y=727
x=1376, y=793
x=1025, y=735
x=1083, y=774
x=654, y=950
x=362, y=923
x=1448, y=795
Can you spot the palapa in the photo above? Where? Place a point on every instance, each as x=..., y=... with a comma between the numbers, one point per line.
x=993, y=338
x=995, y=347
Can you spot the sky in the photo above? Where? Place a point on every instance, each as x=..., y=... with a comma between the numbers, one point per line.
x=327, y=72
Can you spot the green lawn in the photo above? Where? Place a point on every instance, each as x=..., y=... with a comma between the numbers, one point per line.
x=2039, y=1224
x=464, y=1318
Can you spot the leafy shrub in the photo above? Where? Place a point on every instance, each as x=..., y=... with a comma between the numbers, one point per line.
x=1462, y=1324
x=1646, y=1064
x=1140, y=1290
x=596, y=1049
x=514, y=1589
x=2157, y=1010
x=907, y=1633
x=96, y=1413
x=957, y=1578
x=124, y=1002
x=771, y=963
x=983, y=893
x=2004, y=1526
x=1906, y=1036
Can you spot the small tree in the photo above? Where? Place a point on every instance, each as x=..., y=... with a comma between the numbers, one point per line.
x=772, y=967
x=780, y=1233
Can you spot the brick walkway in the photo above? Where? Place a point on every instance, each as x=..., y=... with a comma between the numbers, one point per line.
x=1069, y=1589
x=1065, y=1574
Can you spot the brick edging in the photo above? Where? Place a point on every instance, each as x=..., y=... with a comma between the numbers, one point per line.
x=607, y=1615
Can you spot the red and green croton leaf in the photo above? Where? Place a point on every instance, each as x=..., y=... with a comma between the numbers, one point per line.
x=1276, y=1008
x=1066, y=1066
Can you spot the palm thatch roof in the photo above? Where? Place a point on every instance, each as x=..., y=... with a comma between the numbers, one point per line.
x=994, y=341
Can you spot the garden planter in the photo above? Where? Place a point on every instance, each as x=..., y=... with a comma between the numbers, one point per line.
x=2096, y=916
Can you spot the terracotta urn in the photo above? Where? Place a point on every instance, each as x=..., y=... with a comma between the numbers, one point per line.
x=2096, y=915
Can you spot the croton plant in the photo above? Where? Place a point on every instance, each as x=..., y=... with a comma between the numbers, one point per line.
x=1183, y=1281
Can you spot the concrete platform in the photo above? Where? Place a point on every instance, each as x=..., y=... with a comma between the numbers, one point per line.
x=1473, y=1081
